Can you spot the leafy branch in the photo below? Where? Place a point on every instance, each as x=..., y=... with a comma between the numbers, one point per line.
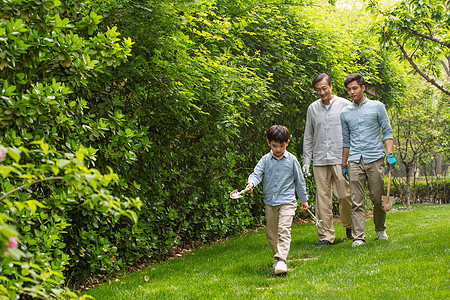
x=421, y=73
x=427, y=36
x=417, y=26
x=30, y=184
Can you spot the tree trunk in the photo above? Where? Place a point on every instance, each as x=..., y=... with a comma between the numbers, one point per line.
x=408, y=184
x=445, y=185
x=428, y=186
x=437, y=197
x=414, y=183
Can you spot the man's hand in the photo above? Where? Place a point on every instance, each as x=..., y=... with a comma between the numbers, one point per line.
x=344, y=169
x=305, y=206
x=305, y=170
x=250, y=187
x=390, y=161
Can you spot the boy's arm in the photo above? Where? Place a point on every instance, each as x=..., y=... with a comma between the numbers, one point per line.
x=256, y=177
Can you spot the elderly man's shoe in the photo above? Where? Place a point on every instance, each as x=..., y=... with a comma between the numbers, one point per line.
x=323, y=243
x=348, y=231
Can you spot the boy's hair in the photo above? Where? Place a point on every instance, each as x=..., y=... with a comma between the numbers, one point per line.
x=278, y=133
x=320, y=77
x=355, y=76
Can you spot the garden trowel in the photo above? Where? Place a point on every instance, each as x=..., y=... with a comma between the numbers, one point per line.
x=236, y=194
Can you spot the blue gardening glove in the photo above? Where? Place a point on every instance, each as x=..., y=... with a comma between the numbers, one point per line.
x=390, y=161
x=344, y=169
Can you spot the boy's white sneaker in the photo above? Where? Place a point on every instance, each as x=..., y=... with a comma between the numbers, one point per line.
x=357, y=243
x=382, y=235
x=280, y=267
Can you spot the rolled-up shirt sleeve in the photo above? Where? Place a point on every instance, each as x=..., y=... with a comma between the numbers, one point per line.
x=308, y=139
x=345, y=131
x=385, y=124
x=258, y=172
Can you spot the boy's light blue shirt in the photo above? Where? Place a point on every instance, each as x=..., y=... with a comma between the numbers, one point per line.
x=361, y=126
x=282, y=178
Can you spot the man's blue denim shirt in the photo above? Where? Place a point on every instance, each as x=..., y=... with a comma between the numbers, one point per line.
x=282, y=178
x=361, y=132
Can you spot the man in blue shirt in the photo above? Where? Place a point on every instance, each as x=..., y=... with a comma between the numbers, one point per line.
x=282, y=178
x=363, y=153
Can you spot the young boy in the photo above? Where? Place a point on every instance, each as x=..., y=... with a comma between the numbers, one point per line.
x=282, y=177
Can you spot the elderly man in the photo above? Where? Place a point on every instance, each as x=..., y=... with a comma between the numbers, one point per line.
x=323, y=145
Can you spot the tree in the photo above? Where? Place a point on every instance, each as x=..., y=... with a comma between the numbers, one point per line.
x=414, y=134
x=420, y=30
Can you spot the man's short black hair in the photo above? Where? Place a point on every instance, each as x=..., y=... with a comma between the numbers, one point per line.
x=278, y=133
x=355, y=76
x=320, y=77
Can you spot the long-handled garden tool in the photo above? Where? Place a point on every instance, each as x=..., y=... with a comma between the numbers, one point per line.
x=386, y=201
x=319, y=223
x=236, y=194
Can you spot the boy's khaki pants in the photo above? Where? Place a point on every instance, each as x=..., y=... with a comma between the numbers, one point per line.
x=278, y=228
x=374, y=174
x=329, y=180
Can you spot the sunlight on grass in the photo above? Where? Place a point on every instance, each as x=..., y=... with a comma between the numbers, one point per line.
x=413, y=263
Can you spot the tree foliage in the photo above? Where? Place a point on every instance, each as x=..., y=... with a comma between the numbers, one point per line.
x=420, y=30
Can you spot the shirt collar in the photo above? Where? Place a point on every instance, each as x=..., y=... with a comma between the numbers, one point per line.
x=362, y=103
x=273, y=156
x=331, y=101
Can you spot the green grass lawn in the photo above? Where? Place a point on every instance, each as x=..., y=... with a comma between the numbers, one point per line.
x=413, y=264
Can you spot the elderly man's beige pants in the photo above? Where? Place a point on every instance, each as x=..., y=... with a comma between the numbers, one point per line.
x=278, y=228
x=329, y=180
x=373, y=173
